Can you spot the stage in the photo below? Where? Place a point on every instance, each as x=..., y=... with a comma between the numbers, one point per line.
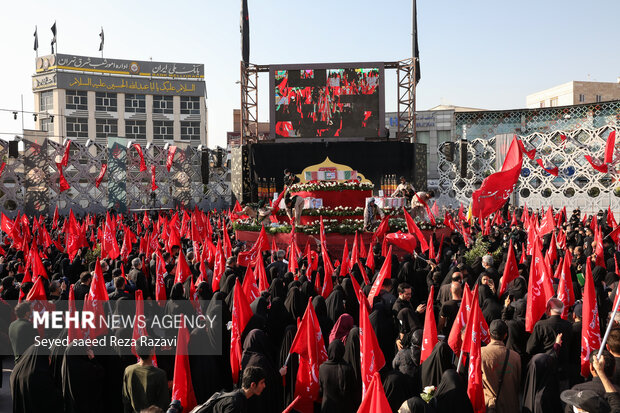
x=335, y=242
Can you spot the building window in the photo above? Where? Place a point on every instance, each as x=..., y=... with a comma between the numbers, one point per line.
x=582, y=98
x=163, y=129
x=190, y=105
x=76, y=100
x=135, y=129
x=190, y=131
x=553, y=102
x=106, y=127
x=135, y=103
x=105, y=102
x=542, y=103
x=444, y=136
x=46, y=101
x=46, y=124
x=77, y=127
x=162, y=104
x=599, y=98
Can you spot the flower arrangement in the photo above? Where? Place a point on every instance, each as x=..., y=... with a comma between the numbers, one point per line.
x=331, y=186
x=338, y=211
x=428, y=393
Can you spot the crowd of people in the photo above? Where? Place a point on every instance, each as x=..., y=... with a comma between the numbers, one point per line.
x=530, y=372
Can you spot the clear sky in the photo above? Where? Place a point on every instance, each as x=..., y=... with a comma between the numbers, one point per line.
x=480, y=53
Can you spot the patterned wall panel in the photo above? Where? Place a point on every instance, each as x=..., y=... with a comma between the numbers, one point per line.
x=577, y=185
x=30, y=182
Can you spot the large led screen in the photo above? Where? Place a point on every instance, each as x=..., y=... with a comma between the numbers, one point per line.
x=327, y=102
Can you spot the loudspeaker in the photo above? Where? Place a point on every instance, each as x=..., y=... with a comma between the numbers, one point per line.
x=463, y=155
x=13, y=151
x=447, y=148
x=219, y=157
x=204, y=166
x=420, y=176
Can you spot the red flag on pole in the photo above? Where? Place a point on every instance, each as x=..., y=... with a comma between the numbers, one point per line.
x=474, y=374
x=429, y=339
x=497, y=187
x=374, y=399
x=610, y=146
x=412, y=228
x=511, y=272
x=94, y=301
x=309, y=344
x=153, y=183
x=590, y=328
x=62, y=182
x=183, y=271
x=454, y=339
x=160, y=286
x=249, y=286
x=547, y=224
x=385, y=272
x=65, y=157
x=182, y=388
x=170, y=158
x=404, y=241
x=218, y=267
x=565, y=286
x=540, y=289
x=371, y=356
x=141, y=155
x=104, y=168
x=241, y=314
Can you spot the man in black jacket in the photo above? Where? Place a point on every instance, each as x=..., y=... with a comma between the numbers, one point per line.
x=252, y=383
x=544, y=335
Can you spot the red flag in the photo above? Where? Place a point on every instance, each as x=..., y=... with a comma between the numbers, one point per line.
x=171, y=151
x=615, y=234
x=55, y=220
x=7, y=225
x=383, y=228
x=590, y=329
x=218, y=267
x=601, y=167
x=547, y=224
x=405, y=241
x=370, y=261
x=126, y=248
x=354, y=253
x=93, y=302
x=429, y=339
x=476, y=322
x=530, y=154
x=371, y=356
x=344, y=263
x=431, y=217
x=310, y=346
x=599, y=250
x=183, y=271
x=160, y=286
x=250, y=257
x=139, y=329
x=259, y=271
x=64, y=185
x=73, y=331
x=182, y=388
x=540, y=289
x=65, y=157
x=552, y=252
x=553, y=171
x=37, y=292
x=497, y=187
x=153, y=183
x=374, y=400
x=250, y=289
x=565, y=286
x=241, y=314
x=454, y=339
x=385, y=272
x=611, y=220
x=104, y=168
x=474, y=374
x=449, y=221
x=610, y=146
x=412, y=228
x=511, y=272
x=141, y=155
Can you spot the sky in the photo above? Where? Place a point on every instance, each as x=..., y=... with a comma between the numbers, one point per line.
x=480, y=53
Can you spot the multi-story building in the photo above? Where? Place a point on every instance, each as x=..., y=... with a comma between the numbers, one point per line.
x=574, y=93
x=81, y=98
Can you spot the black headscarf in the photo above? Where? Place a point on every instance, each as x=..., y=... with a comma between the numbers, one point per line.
x=292, y=366
x=277, y=288
x=257, y=353
x=335, y=351
x=541, y=393
x=295, y=303
x=352, y=356
x=397, y=388
x=382, y=322
x=320, y=308
x=82, y=382
x=451, y=394
x=335, y=304
x=32, y=386
x=417, y=405
x=436, y=364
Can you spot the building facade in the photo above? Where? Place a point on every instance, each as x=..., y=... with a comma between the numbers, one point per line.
x=82, y=98
x=574, y=93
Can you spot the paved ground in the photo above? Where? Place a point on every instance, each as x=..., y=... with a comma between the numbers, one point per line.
x=6, y=405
